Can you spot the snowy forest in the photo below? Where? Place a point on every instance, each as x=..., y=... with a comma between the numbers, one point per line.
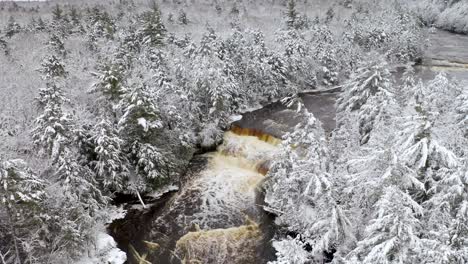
x=243, y=131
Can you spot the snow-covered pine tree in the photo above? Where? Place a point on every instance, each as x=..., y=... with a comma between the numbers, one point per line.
x=182, y=17
x=75, y=16
x=462, y=111
x=290, y=251
x=365, y=83
x=141, y=128
x=421, y=150
x=52, y=69
x=368, y=92
x=4, y=46
x=112, y=164
x=141, y=118
x=301, y=192
x=392, y=236
x=53, y=126
x=446, y=237
x=57, y=13
x=12, y=28
x=109, y=87
x=75, y=207
x=57, y=45
x=152, y=29
x=372, y=110
x=21, y=196
x=291, y=15
x=60, y=22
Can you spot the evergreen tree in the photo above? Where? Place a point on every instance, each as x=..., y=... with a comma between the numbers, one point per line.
x=21, y=196
x=41, y=25
x=111, y=164
x=302, y=192
x=291, y=15
x=12, y=28
x=447, y=220
x=234, y=10
x=57, y=13
x=57, y=45
x=53, y=126
x=392, y=236
x=182, y=18
x=141, y=117
x=152, y=29
x=4, y=46
x=365, y=83
x=462, y=111
x=75, y=16
x=75, y=208
x=369, y=94
x=109, y=86
x=52, y=69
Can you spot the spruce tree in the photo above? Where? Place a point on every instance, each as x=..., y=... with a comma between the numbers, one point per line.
x=152, y=29
x=182, y=17
x=301, y=191
x=57, y=45
x=367, y=93
x=111, y=164
x=462, y=112
x=12, y=28
x=109, y=86
x=21, y=196
x=53, y=125
x=57, y=13
x=291, y=15
x=392, y=236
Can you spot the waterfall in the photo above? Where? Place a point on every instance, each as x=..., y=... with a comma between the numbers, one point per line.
x=215, y=217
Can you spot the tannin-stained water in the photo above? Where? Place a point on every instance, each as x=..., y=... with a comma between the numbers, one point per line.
x=216, y=216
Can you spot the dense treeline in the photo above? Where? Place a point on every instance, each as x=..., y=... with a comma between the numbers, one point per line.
x=448, y=15
x=390, y=185
x=121, y=104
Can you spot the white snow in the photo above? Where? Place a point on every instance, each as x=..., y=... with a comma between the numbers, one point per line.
x=106, y=252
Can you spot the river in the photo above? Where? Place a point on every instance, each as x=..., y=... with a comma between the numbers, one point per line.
x=217, y=215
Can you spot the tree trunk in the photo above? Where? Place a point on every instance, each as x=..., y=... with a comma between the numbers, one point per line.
x=13, y=233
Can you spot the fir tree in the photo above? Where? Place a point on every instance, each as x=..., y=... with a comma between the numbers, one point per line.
x=392, y=235
x=301, y=190
x=369, y=94
x=152, y=29
x=57, y=13
x=53, y=126
x=76, y=207
x=12, y=28
x=365, y=83
x=462, y=111
x=57, y=45
x=234, y=10
x=141, y=117
x=21, y=196
x=291, y=14
x=182, y=17
x=4, y=46
x=52, y=69
x=111, y=164
x=109, y=86
x=75, y=16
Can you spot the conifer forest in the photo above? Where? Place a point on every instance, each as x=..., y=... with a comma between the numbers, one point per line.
x=234, y=131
